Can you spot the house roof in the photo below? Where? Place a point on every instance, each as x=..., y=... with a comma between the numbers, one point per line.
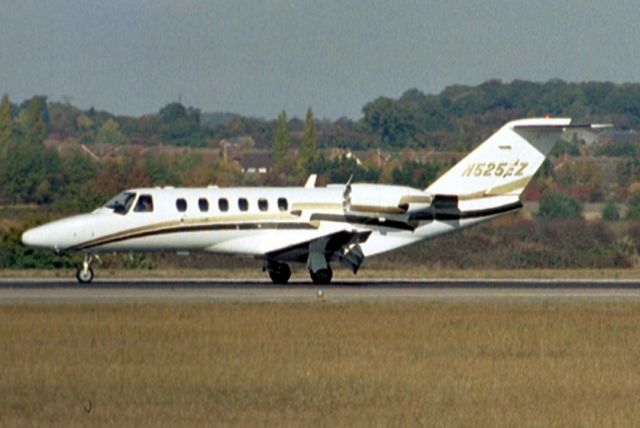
x=255, y=160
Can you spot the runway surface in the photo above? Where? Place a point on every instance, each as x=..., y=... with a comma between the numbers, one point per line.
x=15, y=291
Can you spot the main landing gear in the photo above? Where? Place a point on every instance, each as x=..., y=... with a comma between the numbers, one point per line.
x=278, y=272
x=85, y=273
x=322, y=276
x=318, y=264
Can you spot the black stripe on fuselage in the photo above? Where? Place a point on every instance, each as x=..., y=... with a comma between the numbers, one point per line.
x=363, y=220
x=462, y=215
x=419, y=216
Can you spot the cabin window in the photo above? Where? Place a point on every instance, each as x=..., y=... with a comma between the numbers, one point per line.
x=144, y=204
x=283, y=204
x=181, y=205
x=263, y=204
x=243, y=204
x=121, y=203
x=223, y=204
x=203, y=204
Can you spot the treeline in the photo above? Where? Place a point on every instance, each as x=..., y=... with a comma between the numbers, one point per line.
x=75, y=182
x=456, y=119
x=460, y=116
x=452, y=120
x=32, y=173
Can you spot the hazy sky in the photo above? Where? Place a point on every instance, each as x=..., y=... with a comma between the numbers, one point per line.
x=258, y=57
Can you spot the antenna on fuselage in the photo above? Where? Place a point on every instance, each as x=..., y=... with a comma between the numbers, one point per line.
x=311, y=181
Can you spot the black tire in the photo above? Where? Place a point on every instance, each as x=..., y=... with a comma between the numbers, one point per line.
x=84, y=277
x=280, y=273
x=321, y=277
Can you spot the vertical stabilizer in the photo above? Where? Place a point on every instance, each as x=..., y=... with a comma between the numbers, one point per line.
x=504, y=164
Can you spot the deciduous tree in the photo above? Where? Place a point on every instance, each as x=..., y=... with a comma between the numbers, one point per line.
x=6, y=123
x=634, y=206
x=556, y=206
x=610, y=211
x=181, y=126
x=308, y=148
x=109, y=133
x=281, y=142
x=35, y=129
x=415, y=174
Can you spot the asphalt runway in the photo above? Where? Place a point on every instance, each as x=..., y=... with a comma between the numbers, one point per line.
x=16, y=291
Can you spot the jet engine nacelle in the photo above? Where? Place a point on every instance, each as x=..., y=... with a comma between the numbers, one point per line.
x=399, y=200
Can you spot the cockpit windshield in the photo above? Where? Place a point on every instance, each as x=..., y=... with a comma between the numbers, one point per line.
x=121, y=203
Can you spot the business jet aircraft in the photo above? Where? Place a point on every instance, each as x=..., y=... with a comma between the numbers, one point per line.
x=313, y=225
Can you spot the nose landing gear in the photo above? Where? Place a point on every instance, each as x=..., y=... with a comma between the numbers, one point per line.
x=85, y=273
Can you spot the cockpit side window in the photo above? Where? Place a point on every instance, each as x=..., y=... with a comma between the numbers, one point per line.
x=121, y=203
x=144, y=204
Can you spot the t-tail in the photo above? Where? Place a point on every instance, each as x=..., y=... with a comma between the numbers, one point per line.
x=491, y=178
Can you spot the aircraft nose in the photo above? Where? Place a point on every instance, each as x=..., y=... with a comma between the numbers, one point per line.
x=61, y=234
x=36, y=238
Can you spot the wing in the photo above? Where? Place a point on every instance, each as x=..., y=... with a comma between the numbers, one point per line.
x=342, y=246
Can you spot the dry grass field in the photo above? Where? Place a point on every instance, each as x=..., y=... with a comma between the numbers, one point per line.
x=320, y=364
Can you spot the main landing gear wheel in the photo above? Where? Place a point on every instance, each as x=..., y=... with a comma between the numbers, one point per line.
x=279, y=273
x=322, y=276
x=84, y=276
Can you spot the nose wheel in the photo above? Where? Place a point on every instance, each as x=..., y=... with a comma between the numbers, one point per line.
x=85, y=273
x=84, y=276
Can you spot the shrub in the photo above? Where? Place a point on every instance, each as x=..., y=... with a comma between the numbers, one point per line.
x=634, y=206
x=610, y=211
x=556, y=206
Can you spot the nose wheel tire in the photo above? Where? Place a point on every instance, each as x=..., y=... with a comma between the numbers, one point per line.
x=84, y=276
x=322, y=276
x=279, y=273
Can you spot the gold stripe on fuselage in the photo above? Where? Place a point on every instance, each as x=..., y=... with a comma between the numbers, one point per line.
x=415, y=199
x=298, y=208
x=501, y=190
x=240, y=221
x=315, y=206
